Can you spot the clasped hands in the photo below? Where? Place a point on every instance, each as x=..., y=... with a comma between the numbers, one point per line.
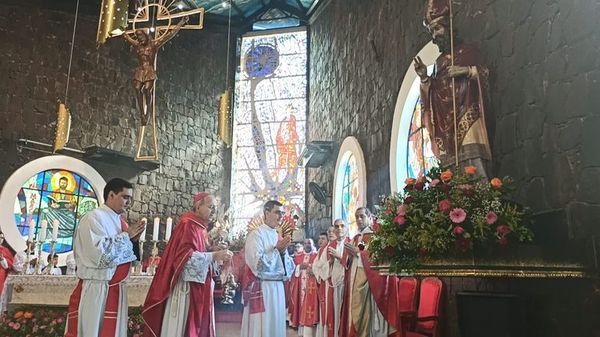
x=282, y=244
x=136, y=230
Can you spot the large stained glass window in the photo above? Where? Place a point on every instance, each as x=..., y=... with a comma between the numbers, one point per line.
x=420, y=158
x=58, y=197
x=350, y=193
x=269, y=124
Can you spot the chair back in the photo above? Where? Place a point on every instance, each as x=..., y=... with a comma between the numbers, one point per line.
x=429, y=305
x=408, y=294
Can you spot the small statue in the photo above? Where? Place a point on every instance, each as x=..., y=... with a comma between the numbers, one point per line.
x=145, y=74
x=466, y=71
x=229, y=290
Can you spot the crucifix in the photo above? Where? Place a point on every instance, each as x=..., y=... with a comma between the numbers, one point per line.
x=149, y=26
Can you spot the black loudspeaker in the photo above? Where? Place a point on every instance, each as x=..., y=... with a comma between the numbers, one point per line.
x=489, y=315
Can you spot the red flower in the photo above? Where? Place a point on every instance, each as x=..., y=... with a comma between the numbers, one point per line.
x=458, y=215
x=419, y=186
x=423, y=252
x=445, y=187
x=400, y=220
x=445, y=206
x=503, y=230
x=458, y=230
x=401, y=210
x=409, y=181
x=434, y=182
x=408, y=200
x=387, y=211
x=491, y=218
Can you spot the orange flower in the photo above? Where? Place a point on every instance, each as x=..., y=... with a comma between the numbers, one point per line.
x=409, y=181
x=27, y=315
x=496, y=183
x=470, y=170
x=18, y=314
x=446, y=176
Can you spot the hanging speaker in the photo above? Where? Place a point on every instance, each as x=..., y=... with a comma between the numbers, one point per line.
x=63, y=126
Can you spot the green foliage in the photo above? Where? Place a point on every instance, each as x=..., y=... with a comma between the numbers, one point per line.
x=443, y=213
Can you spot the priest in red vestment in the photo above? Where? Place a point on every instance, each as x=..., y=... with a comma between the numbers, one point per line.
x=180, y=300
x=303, y=300
x=320, y=269
x=6, y=263
x=370, y=299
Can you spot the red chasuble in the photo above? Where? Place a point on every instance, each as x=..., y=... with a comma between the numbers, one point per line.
x=188, y=236
x=384, y=289
x=4, y=272
x=309, y=306
x=109, y=321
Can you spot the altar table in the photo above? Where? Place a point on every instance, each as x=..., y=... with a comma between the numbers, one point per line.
x=55, y=290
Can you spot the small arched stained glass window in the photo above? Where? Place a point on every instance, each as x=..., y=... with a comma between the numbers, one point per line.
x=58, y=197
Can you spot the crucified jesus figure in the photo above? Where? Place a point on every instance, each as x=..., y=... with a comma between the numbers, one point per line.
x=145, y=74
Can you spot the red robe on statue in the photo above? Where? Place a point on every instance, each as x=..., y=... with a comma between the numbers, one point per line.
x=189, y=236
x=4, y=272
x=383, y=288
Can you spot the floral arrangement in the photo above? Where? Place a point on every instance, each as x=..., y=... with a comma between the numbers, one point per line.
x=51, y=322
x=445, y=213
x=29, y=322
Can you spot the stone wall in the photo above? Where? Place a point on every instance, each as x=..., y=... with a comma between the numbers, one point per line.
x=34, y=59
x=359, y=53
x=543, y=59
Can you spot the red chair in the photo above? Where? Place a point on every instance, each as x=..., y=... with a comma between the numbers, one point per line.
x=427, y=320
x=407, y=301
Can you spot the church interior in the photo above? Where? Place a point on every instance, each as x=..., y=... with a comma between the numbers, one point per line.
x=465, y=127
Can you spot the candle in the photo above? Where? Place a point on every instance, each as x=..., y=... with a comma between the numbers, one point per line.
x=31, y=230
x=155, y=231
x=169, y=228
x=42, y=236
x=55, y=224
x=143, y=236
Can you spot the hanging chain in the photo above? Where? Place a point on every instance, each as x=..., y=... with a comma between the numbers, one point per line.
x=71, y=55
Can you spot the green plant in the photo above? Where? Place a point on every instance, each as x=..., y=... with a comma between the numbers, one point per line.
x=443, y=213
